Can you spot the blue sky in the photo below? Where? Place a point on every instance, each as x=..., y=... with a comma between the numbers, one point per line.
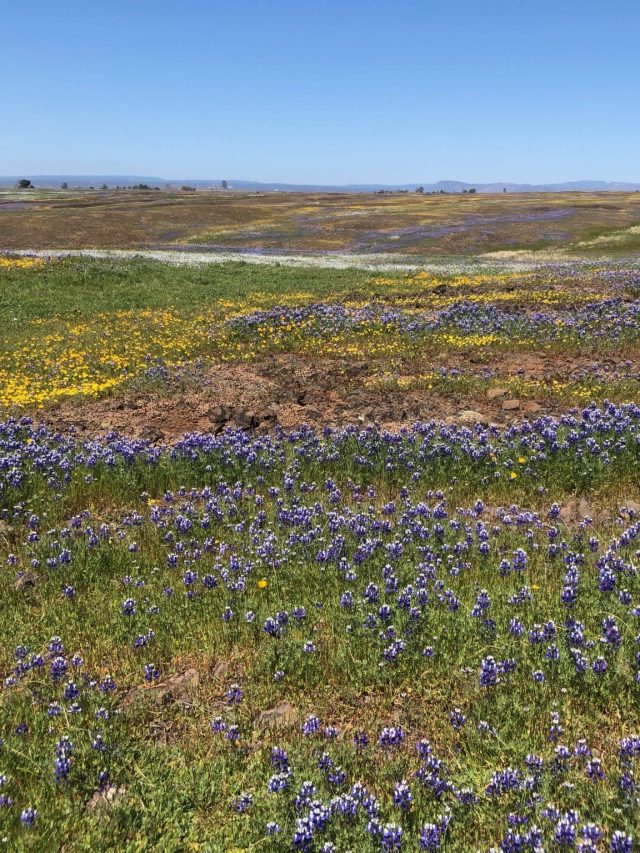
x=334, y=91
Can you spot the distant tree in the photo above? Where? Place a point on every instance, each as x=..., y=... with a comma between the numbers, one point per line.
x=419, y=189
x=104, y=187
x=64, y=185
x=92, y=188
x=25, y=184
x=472, y=190
x=187, y=189
x=504, y=189
x=225, y=185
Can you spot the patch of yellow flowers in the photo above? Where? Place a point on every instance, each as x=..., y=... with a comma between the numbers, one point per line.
x=429, y=280
x=62, y=359
x=20, y=263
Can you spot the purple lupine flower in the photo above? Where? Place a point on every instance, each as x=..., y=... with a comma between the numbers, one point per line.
x=243, y=802
x=391, y=736
x=234, y=694
x=430, y=837
x=29, y=816
x=311, y=725
x=488, y=672
x=402, y=795
x=621, y=842
x=151, y=673
x=391, y=837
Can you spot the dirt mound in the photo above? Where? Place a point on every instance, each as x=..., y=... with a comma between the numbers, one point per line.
x=290, y=390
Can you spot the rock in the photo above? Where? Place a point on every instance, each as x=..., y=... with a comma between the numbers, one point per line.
x=584, y=510
x=312, y=414
x=280, y=717
x=151, y=433
x=511, y=405
x=27, y=580
x=234, y=416
x=629, y=509
x=356, y=368
x=220, y=669
x=470, y=417
x=531, y=407
x=106, y=798
x=178, y=688
x=244, y=419
x=494, y=393
x=219, y=414
x=576, y=511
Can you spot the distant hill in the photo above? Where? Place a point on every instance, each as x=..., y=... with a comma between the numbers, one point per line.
x=84, y=181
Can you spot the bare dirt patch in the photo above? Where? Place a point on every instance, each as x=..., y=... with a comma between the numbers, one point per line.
x=289, y=390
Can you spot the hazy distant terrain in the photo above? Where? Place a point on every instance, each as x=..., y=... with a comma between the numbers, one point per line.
x=544, y=225
x=112, y=181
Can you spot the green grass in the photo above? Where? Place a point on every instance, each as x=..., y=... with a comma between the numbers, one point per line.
x=81, y=289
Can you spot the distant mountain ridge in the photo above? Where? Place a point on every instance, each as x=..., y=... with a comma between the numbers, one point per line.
x=84, y=181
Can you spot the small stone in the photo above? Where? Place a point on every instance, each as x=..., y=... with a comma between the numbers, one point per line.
x=511, y=405
x=531, y=407
x=630, y=509
x=584, y=510
x=244, y=419
x=220, y=669
x=219, y=414
x=470, y=417
x=152, y=434
x=27, y=580
x=178, y=688
x=183, y=686
x=106, y=798
x=494, y=393
x=312, y=414
x=576, y=511
x=280, y=717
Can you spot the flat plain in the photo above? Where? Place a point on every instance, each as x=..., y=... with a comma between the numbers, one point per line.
x=319, y=558
x=413, y=224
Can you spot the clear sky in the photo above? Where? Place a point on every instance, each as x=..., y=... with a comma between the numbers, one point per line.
x=331, y=91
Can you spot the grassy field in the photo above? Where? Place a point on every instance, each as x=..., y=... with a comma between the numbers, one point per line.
x=604, y=224
x=371, y=630
x=78, y=328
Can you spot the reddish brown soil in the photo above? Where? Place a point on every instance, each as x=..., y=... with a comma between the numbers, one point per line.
x=289, y=390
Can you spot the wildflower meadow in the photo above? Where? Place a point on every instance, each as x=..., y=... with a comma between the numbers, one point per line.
x=352, y=636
